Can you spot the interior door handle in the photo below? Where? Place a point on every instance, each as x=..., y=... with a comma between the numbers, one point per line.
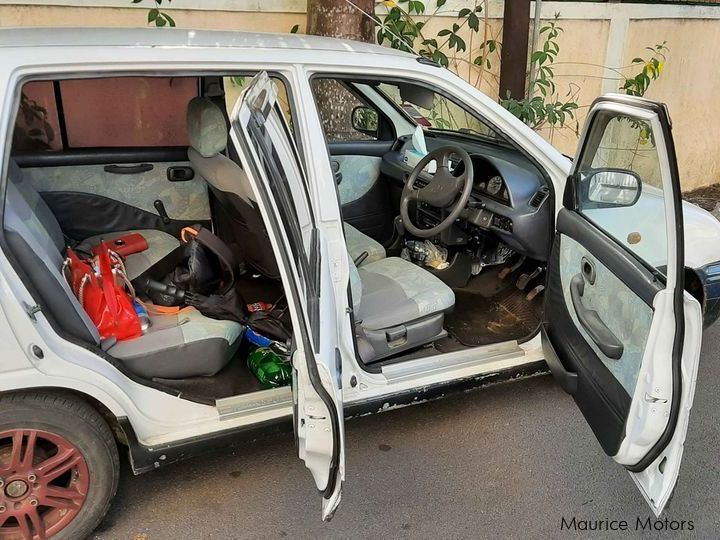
x=589, y=319
x=128, y=169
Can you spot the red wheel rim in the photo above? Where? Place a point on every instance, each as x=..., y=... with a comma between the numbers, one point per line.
x=44, y=481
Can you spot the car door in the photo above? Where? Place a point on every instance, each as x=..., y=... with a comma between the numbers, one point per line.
x=268, y=153
x=620, y=333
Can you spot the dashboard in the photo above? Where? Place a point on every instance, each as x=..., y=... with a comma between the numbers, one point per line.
x=510, y=198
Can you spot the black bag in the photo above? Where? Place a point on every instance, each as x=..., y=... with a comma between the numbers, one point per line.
x=202, y=265
x=201, y=273
x=269, y=324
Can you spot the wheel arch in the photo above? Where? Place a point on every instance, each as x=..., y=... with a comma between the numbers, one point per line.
x=110, y=418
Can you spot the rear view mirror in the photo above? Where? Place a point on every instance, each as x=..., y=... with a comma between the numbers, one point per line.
x=365, y=120
x=612, y=187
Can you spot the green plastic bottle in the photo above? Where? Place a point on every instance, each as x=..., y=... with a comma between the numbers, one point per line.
x=270, y=368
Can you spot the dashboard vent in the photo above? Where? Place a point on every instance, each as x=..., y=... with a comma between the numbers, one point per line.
x=539, y=197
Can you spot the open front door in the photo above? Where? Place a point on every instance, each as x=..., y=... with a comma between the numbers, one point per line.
x=268, y=153
x=620, y=333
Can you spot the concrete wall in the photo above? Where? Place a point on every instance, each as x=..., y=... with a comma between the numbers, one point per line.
x=596, y=36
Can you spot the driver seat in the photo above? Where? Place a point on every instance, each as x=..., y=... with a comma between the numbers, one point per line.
x=398, y=306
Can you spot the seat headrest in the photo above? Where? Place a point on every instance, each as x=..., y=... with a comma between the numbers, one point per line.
x=206, y=127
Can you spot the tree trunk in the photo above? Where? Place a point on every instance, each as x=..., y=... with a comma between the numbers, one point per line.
x=339, y=19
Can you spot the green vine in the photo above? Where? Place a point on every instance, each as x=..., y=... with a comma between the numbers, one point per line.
x=544, y=105
x=156, y=15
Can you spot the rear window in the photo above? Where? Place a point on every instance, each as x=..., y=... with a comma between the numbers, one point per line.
x=110, y=112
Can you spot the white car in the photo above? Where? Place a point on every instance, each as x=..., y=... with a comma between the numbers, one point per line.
x=505, y=258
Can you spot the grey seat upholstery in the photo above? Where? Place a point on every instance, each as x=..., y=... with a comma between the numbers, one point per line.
x=178, y=346
x=357, y=243
x=240, y=223
x=398, y=306
x=159, y=243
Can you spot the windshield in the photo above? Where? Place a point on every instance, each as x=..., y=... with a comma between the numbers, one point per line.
x=436, y=112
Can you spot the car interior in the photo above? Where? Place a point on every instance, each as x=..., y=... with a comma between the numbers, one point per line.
x=448, y=245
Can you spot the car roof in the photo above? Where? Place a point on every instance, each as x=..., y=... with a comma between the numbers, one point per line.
x=177, y=37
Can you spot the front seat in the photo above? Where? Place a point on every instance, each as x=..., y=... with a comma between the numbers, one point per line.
x=358, y=243
x=240, y=223
x=176, y=346
x=398, y=306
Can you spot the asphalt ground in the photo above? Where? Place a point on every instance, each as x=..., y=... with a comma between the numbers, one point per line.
x=506, y=461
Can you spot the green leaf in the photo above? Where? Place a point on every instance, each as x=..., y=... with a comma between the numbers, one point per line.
x=638, y=60
x=160, y=21
x=440, y=3
x=444, y=32
x=464, y=13
x=474, y=22
x=456, y=27
x=169, y=19
x=294, y=30
x=136, y=1
x=536, y=56
x=153, y=14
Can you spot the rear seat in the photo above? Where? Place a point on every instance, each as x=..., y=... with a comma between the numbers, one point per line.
x=176, y=346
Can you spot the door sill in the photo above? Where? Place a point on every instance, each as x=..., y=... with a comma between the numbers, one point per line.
x=443, y=362
x=262, y=402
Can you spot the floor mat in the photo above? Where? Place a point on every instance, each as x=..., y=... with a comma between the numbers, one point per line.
x=481, y=317
x=232, y=380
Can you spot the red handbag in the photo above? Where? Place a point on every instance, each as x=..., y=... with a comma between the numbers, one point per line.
x=101, y=286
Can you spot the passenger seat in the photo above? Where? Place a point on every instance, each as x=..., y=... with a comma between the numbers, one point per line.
x=177, y=346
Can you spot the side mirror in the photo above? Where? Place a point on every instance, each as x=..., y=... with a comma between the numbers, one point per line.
x=607, y=188
x=365, y=120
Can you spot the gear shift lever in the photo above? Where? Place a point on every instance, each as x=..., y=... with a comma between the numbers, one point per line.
x=399, y=226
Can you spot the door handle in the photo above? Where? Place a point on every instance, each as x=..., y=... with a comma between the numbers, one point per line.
x=179, y=173
x=336, y=171
x=589, y=319
x=128, y=169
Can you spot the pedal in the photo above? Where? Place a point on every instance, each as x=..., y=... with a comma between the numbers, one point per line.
x=534, y=292
x=505, y=272
x=525, y=279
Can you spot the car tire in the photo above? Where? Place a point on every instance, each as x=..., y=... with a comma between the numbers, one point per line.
x=59, y=466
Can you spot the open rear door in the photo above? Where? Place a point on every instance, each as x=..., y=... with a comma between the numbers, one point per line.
x=268, y=153
x=620, y=333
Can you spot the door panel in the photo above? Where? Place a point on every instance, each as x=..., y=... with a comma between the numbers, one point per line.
x=359, y=175
x=364, y=196
x=616, y=313
x=268, y=153
x=615, y=303
x=89, y=200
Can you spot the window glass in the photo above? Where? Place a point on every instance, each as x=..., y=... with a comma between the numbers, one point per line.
x=621, y=185
x=127, y=111
x=37, y=126
x=438, y=112
x=234, y=87
x=341, y=110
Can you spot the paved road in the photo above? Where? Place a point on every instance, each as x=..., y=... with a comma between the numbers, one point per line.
x=507, y=461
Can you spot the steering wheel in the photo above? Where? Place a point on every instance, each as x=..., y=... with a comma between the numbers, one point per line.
x=442, y=190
